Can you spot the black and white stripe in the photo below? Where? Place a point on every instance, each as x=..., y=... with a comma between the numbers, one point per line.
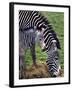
x=34, y=19
x=31, y=19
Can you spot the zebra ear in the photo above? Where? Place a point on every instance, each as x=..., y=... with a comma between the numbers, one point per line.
x=43, y=30
x=54, y=45
x=54, y=41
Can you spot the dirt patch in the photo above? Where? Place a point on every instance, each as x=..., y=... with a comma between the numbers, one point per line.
x=39, y=71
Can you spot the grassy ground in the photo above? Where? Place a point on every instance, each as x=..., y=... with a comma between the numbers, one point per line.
x=57, y=21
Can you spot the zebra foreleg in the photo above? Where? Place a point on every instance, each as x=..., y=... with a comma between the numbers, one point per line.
x=33, y=54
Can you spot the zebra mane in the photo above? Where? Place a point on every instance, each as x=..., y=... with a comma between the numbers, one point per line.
x=57, y=40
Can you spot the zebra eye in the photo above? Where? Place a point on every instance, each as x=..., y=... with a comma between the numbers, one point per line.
x=40, y=39
x=56, y=58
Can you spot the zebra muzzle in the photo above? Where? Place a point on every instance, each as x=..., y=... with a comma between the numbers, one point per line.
x=43, y=47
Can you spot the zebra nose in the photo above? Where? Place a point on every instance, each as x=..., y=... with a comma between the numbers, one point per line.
x=43, y=49
x=55, y=74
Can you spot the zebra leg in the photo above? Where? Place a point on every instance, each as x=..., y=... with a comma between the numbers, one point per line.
x=22, y=64
x=33, y=54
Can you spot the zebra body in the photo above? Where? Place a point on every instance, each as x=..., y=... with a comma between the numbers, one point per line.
x=36, y=21
x=31, y=19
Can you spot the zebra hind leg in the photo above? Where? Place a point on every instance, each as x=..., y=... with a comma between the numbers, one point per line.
x=22, y=64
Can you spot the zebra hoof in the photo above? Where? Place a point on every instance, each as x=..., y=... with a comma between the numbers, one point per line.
x=35, y=65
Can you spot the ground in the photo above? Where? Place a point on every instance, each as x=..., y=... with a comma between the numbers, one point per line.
x=39, y=71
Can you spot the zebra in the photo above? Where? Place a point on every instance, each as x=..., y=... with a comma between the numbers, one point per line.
x=36, y=21
x=50, y=44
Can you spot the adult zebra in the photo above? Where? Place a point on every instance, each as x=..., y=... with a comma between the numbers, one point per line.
x=37, y=22
x=49, y=44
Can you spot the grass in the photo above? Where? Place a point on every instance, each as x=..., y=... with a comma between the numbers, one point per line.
x=57, y=21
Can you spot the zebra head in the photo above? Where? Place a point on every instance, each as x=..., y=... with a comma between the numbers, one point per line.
x=41, y=40
x=53, y=61
x=52, y=53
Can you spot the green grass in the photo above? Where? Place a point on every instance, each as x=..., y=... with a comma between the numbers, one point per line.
x=57, y=21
